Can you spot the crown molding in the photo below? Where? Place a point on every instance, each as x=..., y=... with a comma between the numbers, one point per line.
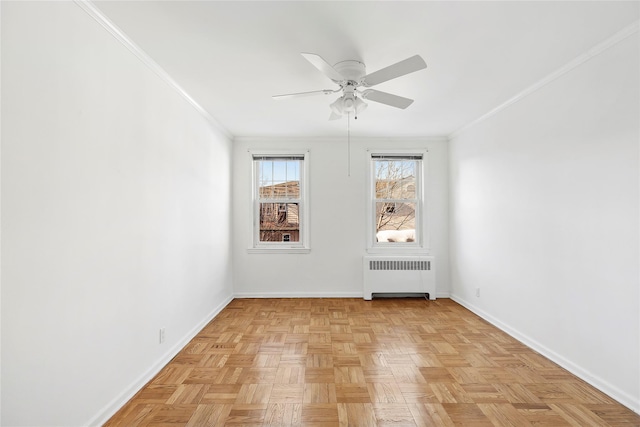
x=594, y=51
x=341, y=139
x=93, y=11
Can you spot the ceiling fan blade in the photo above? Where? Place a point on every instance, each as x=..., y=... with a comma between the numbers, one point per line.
x=322, y=65
x=301, y=94
x=398, y=69
x=386, y=98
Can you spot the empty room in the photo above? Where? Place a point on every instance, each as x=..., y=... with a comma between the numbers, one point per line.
x=320, y=213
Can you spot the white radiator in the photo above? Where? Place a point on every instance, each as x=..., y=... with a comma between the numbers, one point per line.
x=399, y=274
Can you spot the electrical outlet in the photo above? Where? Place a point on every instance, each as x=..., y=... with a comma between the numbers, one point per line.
x=161, y=335
x=478, y=292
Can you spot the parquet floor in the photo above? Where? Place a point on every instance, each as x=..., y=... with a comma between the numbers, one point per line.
x=330, y=362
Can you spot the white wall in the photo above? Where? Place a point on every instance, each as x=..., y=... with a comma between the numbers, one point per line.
x=115, y=214
x=337, y=222
x=544, y=220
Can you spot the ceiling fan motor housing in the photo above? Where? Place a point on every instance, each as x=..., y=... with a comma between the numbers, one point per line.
x=353, y=71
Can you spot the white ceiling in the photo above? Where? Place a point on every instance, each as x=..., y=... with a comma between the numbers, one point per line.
x=232, y=56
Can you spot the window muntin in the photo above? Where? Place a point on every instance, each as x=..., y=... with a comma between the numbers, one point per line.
x=279, y=201
x=396, y=203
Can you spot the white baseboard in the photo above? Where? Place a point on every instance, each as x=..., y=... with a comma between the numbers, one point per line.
x=298, y=295
x=112, y=407
x=597, y=382
x=312, y=295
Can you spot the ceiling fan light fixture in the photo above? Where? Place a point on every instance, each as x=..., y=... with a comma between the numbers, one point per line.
x=348, y=103
x=336, y=106
x=360, y=105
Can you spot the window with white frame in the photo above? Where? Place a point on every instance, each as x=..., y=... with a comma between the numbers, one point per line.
x=279, y=201
x=396, y=200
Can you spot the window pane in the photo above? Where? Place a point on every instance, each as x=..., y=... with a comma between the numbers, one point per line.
x=395, y=179
x=395, y=222
x=279, y=171
x=279, y=179
x=265, y=172
x=279, y=222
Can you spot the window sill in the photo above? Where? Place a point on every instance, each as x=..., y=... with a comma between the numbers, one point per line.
x=278, y=250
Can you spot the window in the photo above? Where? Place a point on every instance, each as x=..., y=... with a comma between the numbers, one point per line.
x=396, y=201
x=279, y=202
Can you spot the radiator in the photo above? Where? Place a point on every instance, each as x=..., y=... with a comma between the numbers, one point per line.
x=399, y=274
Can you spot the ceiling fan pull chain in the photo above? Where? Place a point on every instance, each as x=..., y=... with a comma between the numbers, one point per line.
x=349, y=144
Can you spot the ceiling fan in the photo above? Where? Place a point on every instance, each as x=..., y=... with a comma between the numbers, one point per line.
x=350, y=75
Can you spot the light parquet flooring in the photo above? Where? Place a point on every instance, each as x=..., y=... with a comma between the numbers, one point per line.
x=330, y=362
